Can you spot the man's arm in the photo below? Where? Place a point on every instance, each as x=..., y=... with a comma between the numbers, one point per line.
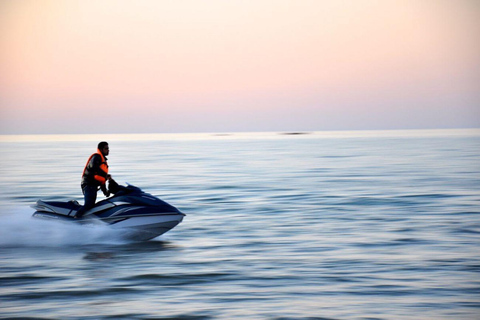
x=94, y=164
x=103, y=187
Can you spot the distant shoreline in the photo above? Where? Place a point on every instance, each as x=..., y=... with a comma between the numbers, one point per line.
x=234, y=135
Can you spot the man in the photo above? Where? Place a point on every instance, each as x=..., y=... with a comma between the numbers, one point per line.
x=94, y=175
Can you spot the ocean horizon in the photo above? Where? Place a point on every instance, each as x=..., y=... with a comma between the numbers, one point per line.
x=179, y=135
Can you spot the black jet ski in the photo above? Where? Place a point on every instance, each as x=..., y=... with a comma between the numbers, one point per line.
x=138, y=214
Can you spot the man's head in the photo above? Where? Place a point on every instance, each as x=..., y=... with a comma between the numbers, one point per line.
x=103, y=147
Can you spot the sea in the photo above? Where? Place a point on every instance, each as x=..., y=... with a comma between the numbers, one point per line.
x=278, y=226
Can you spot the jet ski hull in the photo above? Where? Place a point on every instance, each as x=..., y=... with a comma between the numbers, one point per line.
x=146, y=228
x=133, y=228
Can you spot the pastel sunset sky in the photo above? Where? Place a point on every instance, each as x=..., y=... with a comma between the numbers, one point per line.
x=161, y=66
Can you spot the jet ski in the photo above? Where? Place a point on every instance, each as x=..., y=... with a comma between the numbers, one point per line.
x=139, y=215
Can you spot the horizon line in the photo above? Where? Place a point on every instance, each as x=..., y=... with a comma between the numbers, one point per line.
x=242, y=134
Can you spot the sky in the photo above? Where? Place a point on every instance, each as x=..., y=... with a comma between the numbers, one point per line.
x=168, y=66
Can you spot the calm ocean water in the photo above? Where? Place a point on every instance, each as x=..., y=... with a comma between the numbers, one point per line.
x=343, y=225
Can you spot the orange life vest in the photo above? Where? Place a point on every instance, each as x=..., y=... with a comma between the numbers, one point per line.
x=100, y=175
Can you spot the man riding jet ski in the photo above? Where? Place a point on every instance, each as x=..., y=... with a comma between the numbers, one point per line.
x=141, y=215
x=94, y=177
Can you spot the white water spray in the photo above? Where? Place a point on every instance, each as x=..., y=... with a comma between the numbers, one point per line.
x=18, y=228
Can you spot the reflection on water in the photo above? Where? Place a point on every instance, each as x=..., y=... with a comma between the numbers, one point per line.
x=310, y=226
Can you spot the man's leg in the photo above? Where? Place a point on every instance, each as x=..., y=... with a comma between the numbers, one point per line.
x=90, y=196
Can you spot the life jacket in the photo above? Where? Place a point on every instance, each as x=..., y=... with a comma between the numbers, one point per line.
x=101, y=174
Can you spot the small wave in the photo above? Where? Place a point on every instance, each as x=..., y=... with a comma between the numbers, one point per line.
x=71, y=294
x=25, y=280
x=178, y=279
x=433, y=196
x=28, y=318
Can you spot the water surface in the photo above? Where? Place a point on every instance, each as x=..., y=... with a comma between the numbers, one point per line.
x=346, y=225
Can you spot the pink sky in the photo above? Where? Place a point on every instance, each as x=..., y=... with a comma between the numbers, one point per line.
x=120, y=66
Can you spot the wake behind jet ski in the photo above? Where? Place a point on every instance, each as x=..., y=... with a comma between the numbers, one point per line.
x=138, y=214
